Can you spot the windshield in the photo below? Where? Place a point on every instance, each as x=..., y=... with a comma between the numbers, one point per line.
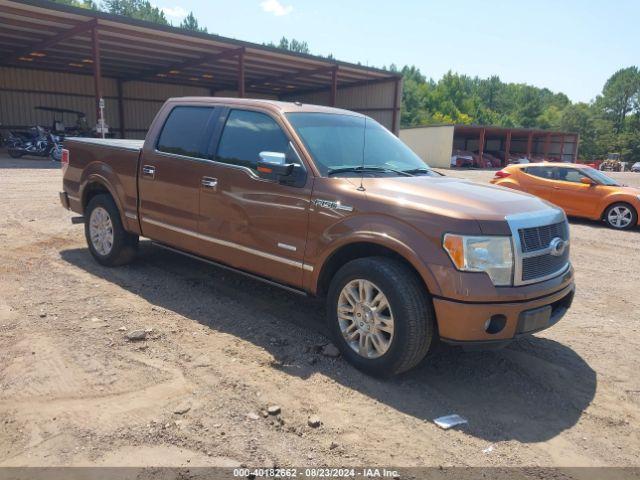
x=350, y=145
x=600, y=177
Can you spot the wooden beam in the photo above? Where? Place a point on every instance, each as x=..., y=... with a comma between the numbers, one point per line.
x=44, y=44
x=507, y=149
x=396, y=107
x=545, y=147
x=97, y=71
x=121, y=109
x=188, y=64
x=294, y=75
x=481, y=144
x=241, y=82
x=529, y=145
x=334, y=87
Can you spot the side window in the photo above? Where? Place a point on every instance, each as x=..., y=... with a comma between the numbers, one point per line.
x=569, y=175
x=187, y=132
x=541, y=172
x=246, y=134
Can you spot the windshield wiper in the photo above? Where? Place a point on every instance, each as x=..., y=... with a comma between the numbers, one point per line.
x=416, y=171
x=333, y=171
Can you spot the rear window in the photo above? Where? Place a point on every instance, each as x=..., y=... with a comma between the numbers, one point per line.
x=542, y=172
x=187, y=132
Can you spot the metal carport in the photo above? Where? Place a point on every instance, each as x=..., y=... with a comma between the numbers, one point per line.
x=67, y=57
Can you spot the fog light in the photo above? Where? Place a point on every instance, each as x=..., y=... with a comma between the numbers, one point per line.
x=495, y=324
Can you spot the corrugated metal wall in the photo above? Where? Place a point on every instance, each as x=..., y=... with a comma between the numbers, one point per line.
x=374, y=100
x=23, y=89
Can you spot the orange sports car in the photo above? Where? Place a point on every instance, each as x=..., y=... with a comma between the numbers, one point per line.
x=578, y=189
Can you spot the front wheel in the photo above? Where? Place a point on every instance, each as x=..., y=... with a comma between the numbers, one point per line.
x=15, y=153
x=109, y=243
x=621, y=216
x=380, y=315
x=56, y=153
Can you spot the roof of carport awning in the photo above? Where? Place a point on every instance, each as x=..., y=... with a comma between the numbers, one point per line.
x=50, y=36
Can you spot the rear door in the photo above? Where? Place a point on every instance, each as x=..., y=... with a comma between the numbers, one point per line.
x=252, y=223
x=170, y=175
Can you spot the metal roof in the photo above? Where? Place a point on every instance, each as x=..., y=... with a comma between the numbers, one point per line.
x=45, y=35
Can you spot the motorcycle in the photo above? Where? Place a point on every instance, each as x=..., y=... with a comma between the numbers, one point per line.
x=37, y=141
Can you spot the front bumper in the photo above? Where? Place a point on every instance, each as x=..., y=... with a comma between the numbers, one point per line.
x=470, y=323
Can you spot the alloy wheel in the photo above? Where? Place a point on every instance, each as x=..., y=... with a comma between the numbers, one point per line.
x=620, y=216
x=365, y=318
x=101, y=231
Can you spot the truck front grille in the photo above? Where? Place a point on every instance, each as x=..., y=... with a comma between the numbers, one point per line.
x=543, y=265
x=538, y=238
x=537, y=256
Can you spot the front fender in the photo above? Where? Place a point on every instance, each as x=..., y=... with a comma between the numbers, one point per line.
x=415, y=247
x=618, y=197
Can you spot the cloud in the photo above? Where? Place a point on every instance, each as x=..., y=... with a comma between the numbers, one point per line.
x=275, y=7
x=175, y=12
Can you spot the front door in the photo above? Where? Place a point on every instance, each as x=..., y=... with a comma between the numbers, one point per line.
x=171, y=174
x=252, y=223
x=577, y=198
x=538, y=181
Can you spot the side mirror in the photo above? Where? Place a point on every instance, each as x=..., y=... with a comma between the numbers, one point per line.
x=274, y=164
x=587, y=181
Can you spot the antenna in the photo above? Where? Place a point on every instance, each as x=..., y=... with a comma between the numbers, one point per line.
x=364, y=148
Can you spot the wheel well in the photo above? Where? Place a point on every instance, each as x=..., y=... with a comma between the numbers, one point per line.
x=351, y=252
x=90, y=191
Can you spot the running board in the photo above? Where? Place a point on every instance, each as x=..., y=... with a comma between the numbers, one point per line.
x=232, y=269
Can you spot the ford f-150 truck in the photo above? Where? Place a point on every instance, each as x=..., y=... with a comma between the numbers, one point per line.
x=328, y=202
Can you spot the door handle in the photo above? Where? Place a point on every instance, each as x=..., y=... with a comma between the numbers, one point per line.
x=149, y=171
x=209, y=182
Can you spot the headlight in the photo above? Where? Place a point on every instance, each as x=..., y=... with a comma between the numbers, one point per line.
x=492, y=255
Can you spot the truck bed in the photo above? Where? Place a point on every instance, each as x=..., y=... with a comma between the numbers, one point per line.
x=112, y=163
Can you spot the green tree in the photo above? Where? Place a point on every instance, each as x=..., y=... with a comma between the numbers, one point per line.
x=621, y=96
x=90, y=4
x=293, y=45
x=138, y=9
x=190, y=22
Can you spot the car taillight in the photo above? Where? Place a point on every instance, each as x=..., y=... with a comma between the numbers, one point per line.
x=502, y=174
x=64, y=158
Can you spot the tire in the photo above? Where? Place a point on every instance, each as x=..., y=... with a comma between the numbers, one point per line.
x=112, y=246
x=621, y=216
x=56, y=154
x=410, y=308
x=15, y=153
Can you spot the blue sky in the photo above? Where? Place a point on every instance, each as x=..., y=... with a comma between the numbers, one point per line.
x=569, y=46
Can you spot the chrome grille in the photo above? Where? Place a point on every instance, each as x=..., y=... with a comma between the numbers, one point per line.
x=538, y=238
x=543, y=265
x=532, y=235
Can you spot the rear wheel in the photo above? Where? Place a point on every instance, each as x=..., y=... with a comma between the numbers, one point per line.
x=380, y=315
x=15, y=153
x=621, y=216
x=109, y=243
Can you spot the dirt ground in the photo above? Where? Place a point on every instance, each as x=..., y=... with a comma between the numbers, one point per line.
x=223, y=348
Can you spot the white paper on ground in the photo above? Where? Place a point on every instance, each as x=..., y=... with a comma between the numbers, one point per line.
x=449, y=421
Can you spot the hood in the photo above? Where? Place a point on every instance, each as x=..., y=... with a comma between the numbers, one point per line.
x=628, y=190
x=452, y=197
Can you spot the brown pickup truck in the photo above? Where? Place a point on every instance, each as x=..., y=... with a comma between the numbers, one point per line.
x=328, y=202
